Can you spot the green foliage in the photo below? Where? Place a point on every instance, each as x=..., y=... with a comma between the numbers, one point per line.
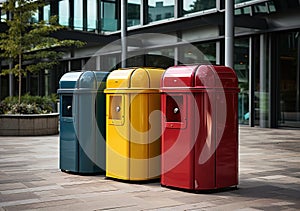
x=29, y=105
x=30, y=43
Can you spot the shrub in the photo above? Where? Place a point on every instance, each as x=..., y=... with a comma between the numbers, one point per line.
x=29, y=105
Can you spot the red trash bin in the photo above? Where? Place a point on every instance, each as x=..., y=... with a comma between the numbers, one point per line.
x=200, y=127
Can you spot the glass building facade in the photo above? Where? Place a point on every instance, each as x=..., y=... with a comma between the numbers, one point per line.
x=266, y=47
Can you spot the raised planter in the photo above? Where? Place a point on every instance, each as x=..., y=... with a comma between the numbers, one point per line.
x=28, y=124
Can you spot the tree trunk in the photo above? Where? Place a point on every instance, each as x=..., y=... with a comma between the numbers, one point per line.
x=20, y=76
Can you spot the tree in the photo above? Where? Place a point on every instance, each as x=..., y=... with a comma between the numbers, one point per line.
x=29, y=45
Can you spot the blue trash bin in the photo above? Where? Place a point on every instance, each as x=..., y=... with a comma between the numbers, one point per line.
x=82, y=122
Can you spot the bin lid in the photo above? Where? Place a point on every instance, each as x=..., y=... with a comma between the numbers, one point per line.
x=135, y=78
x=92, y=79
x=87, y=80
x=84, y=79
x=69, y=80
x=200, y=77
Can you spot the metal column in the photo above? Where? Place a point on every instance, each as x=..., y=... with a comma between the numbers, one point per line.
x=218, y=53
x=251, y=82
x=98, y=63
x=229, y=32
x=263, y=121
x=298, y=80
x=123, y=33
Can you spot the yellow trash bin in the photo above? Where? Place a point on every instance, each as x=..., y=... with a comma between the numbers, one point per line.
x=133, y=128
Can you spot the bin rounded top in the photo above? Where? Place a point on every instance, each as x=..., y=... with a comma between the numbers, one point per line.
x=199, y=76
x=69, y=80
x=87, y=80
x=135, y=78
x=84, y=79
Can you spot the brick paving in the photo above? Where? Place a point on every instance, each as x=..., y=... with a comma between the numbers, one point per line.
x=269, y=179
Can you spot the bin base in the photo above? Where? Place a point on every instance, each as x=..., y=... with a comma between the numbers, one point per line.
x=83, y=173
x=155, y=180
x=203, y=191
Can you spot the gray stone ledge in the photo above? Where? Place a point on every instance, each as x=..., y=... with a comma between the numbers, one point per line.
x=28, y=124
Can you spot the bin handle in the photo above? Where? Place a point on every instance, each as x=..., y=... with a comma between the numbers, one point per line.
x=176, y=110
x=118, y=109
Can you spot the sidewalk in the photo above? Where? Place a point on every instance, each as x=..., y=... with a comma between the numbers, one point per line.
x=269, y=179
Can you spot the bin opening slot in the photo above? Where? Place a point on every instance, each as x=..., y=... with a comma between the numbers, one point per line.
x=67, y=105
x=115, y=111
x=174, y=108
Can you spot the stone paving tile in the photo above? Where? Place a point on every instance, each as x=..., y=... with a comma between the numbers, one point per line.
x=12, y=186
x=269, y=179
x=40, y=205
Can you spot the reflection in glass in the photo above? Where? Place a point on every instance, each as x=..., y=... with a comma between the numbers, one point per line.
x=162, y=58
x=46, y=13
x=135, y=60
x=190, y=6
x=92, y=15
x=3, y=15
x=35, y=17
x=109, y=14
x=243, y=11
x=78, y=14
x=241, y=1
x=63, y=13
x=272, y=7
x=160, y=9
x=262, y=92
x=133, y=12
x=289, y=79
x=261, y=8
x=204, y=53
x=241, y=67
x=110, y=62
x=34, y=84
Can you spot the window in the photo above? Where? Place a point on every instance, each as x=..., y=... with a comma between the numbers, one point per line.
x=109, y=15
x=190, y=6
x=46, y=13
x=78, y=14
x=243, y=11
x=289, y=75
x=168, y=15
x=160, y=9
x=241, y=67
x=4, y=84
x=241, y=1
x=110, y=62
x=162, y=58
x=35, y=17
x=91, y=15
x=133, y=12
x=204, y=53
x=3, y=15
x=63, y=12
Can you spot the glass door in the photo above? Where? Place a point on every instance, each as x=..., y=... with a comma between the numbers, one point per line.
x=241, y=67
x=289, y=79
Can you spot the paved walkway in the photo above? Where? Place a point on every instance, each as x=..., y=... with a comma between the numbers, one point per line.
x=269, y=179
